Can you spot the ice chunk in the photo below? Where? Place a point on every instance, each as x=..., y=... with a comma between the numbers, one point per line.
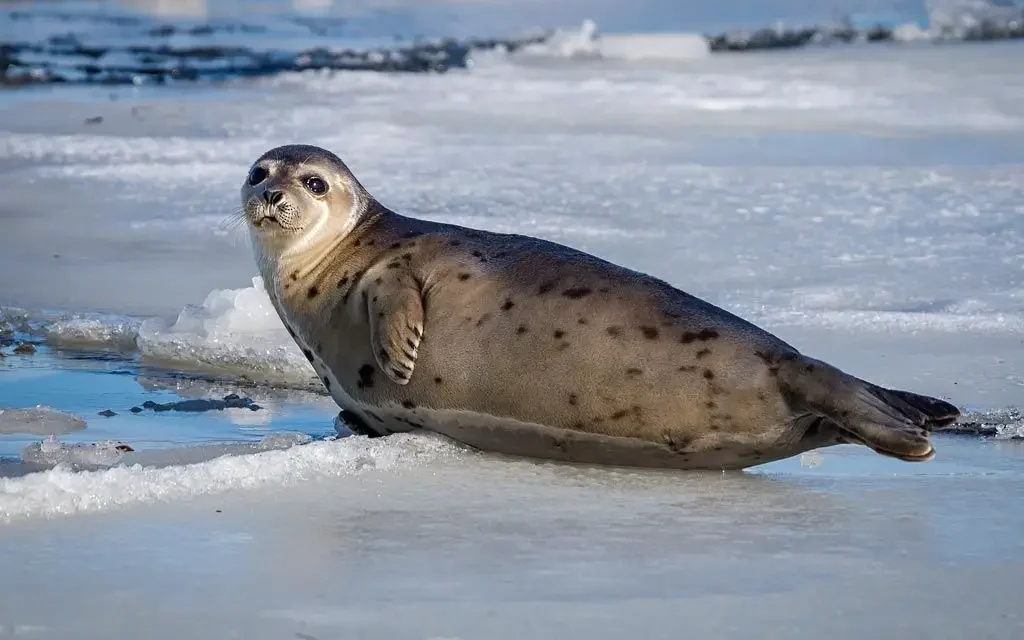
x=586, y=42
x=236, y=330
x=39, y=421
x=52, y=452
x=283, y=440
x=61, y=491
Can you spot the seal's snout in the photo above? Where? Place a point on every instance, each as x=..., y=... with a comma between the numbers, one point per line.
x=272, y=197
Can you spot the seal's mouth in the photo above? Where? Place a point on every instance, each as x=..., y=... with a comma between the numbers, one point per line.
x=267, y=217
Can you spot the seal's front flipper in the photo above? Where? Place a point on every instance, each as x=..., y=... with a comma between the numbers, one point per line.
x=395, y=307
x=892, y=423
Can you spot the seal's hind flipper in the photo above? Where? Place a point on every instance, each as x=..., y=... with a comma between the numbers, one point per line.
x=937, y=413
x=892, y=423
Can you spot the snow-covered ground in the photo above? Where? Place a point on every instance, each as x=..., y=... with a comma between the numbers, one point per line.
x=865, y=203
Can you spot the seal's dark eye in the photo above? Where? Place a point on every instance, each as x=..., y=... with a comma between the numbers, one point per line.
x=316, y=185
x=257, y=175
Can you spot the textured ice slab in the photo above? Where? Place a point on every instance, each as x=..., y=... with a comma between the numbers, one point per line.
x=39, y=421
x=52, y=452
x=234, y=330
x=62, y=491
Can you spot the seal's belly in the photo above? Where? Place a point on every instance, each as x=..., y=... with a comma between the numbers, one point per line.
x=511, y=437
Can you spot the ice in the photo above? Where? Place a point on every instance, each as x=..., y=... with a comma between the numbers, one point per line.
x=52, y=452
x=234, y=330
x=587, y=42
x=39, y=420
x=62, y=492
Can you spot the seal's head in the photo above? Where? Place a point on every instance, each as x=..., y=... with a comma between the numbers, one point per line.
x=295, y=194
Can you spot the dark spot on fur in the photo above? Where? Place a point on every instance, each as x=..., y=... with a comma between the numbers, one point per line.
x=438, y=380
x=522, y=329
x=294, y=275
x=715, y=427
x=581, y=321
x=604, y=289
x=396, y=245
x=327, y=383
x=319, y=348
x=394, y=264
x=380, y=314
x=365, y=376
x=378, y=280
x=559, y=333
x=308, y=354
x=761, y=396
x=669, y=314
x=455, y=243
x=407, y=257
x=719, y=448
x=408, y=404
x=508, y=305
x=614, y=331
x=687, y=368
x=633, y=371
x=463, y=276
x=809, y=368
x=619, y=415
x=577, y=292
x=358, y=242
x=709, y=374
x=546, y=287
x=702, y=335
x=710, y=404
x=573, y=399
x=650, y=333
x=703, y=352
x=312, y=292
x=477, y=254
x=374, y=297
x=484, y=318
x=562, y=346
x=343, y=281
x=371, y=243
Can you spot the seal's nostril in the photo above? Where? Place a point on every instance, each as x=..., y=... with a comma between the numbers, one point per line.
x=272, y=197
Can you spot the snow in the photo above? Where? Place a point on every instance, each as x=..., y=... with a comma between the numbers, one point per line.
x=63, y=491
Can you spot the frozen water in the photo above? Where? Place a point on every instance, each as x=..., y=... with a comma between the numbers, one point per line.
x=62, y=491
x=39, y=421
x=233, y=330
x=52, y=452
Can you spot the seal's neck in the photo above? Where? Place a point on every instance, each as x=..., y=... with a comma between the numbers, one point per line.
x=307, y=258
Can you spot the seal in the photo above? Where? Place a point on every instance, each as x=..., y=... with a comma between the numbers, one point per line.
x=517, y=345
